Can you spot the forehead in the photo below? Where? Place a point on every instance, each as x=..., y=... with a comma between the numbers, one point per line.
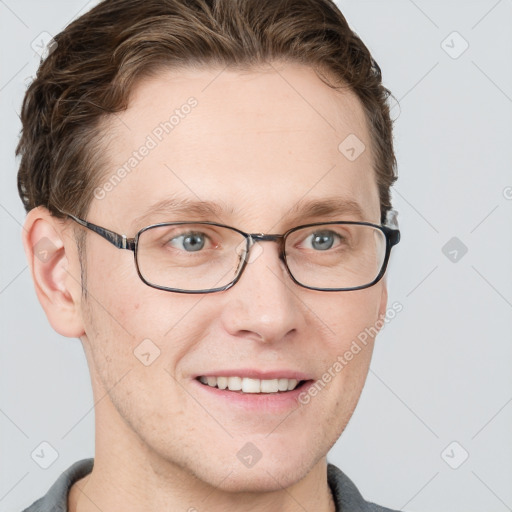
x=255, y=142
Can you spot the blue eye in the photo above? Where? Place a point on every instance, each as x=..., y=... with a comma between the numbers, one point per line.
x=190, y=242
x=323, y=240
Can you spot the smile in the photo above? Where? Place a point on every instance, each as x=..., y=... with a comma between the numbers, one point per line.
x=248, y=385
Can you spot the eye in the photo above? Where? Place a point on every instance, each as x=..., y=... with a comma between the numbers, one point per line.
x=321, y=240
x=190, y=242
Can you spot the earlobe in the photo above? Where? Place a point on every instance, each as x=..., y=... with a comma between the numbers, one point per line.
x=52, y=259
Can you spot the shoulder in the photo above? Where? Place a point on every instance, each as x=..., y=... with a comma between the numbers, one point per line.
x=346, y=495
x=56, y=497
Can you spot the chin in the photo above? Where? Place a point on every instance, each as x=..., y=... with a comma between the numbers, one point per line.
x=264, y=476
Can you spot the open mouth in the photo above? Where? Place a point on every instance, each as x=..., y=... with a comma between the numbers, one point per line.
x=248, y=385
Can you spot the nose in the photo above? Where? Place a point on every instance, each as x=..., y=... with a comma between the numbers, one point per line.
x=264, y=304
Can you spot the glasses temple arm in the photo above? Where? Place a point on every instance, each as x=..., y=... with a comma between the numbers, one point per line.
x=120, y=241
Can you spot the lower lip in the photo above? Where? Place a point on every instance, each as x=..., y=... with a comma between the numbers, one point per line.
x=261, y=402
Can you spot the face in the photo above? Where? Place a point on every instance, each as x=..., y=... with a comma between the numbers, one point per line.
x=259, y=145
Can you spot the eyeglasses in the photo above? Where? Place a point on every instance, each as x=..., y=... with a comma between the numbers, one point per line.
x=206, y=257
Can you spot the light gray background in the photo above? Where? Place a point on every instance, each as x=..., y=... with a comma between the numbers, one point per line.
x=442, y=368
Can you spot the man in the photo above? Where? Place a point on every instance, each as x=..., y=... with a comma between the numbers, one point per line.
x=207, y=188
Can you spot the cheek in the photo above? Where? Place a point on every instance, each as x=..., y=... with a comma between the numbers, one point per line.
x=120, y=301
x=349, y=321
x=348, y=316
x=129, y=323
x=134, y=306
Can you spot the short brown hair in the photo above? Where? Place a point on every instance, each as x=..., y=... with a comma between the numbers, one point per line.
x=99, y=56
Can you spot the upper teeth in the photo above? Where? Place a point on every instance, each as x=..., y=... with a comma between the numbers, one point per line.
x=248, y=385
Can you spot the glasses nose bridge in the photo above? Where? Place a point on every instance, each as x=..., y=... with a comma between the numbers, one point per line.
x=266, y=237
x=263, y=237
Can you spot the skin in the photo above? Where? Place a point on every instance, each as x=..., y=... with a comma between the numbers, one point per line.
x=255, y=145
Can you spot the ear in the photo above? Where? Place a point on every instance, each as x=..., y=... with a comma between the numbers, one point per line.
x=52, y=257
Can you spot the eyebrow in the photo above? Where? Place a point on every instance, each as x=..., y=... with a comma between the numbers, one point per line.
x=182, y=207
x=189, y=209
x=326, y=207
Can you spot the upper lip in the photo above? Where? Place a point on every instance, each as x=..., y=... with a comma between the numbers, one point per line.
x=252, y=373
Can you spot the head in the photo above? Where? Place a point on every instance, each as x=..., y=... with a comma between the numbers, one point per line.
x=244, y=109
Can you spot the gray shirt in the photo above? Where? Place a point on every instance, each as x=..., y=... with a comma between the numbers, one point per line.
x=345, y=494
